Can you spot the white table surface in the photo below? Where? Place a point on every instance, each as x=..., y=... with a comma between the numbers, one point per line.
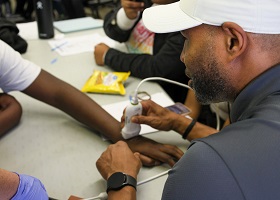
x=61, y=152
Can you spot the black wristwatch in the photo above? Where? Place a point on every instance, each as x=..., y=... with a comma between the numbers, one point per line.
x=119, y=180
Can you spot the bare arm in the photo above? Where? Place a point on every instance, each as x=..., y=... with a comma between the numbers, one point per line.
x=126, y=193
x=19, y=186
x=193, y=104
x=227, y=122
x=63, y=96
x=9, y=183
x=10, y=113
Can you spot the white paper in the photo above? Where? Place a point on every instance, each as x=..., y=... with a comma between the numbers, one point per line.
x=79, y=44
x=116, y=109
x=28, y=31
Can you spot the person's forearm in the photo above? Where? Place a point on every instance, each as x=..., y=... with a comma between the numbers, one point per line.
x=181, y=123
x=8, y=184
x=92, y=115
x=85, y=110
x=200, y=130
x=126, y=193
x=65, y=97
x=192, y=103
x=30, y=188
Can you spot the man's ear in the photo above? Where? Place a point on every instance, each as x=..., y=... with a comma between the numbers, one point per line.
x=236, y=39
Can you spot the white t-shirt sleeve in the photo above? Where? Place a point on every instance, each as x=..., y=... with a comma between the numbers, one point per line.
x=123, y=21
x=16, y=73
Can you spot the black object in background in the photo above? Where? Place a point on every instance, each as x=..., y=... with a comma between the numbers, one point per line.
x=147, y=3
x=44, y=18
x=9, y=34
x=74, y=8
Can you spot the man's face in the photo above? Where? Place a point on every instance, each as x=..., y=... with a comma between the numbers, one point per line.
x=204, y=67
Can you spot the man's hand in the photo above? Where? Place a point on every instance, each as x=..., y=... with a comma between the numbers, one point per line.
x=99, y=53
x=118, y=158
x=163, y=119
x=132, y=8
x=155, y=116
x=153, y=153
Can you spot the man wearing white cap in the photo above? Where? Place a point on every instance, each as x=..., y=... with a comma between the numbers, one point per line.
x=231, y=53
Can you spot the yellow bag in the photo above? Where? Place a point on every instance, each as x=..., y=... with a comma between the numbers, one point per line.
x=106, y=82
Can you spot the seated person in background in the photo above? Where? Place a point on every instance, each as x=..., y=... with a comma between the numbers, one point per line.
x=25, y=8
x=73, y=8
x=149, y=54
x=18, y=74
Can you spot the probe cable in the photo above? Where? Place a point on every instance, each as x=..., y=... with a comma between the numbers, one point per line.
x=104, y=196
x=160, y=79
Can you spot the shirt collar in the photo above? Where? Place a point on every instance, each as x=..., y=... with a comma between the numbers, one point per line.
x=264, y=85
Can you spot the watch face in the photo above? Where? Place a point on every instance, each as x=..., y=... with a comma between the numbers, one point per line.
x=116, y=180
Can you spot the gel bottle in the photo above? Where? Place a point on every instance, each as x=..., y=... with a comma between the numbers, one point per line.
x=44, y=18
x=131, y=129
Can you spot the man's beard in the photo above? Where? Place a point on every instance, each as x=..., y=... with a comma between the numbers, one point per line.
x=210, y=84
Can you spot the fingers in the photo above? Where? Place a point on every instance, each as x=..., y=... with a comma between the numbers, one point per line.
x=132, y=8
x=163, y=154
x=172, y=154
x=149, y=120
x=132, y=5
x=152, y=151
x=154, y=121
x=148, y=161
x=161, y=158
x=8, y=101
x=166, y=158
x=174, y=151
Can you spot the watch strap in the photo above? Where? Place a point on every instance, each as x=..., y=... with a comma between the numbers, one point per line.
x=131, y=181
x=118, y=180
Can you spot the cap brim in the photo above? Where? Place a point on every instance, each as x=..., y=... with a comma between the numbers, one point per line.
x=167, y=18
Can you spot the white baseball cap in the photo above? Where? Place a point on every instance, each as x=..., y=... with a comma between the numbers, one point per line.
x=256, y=16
